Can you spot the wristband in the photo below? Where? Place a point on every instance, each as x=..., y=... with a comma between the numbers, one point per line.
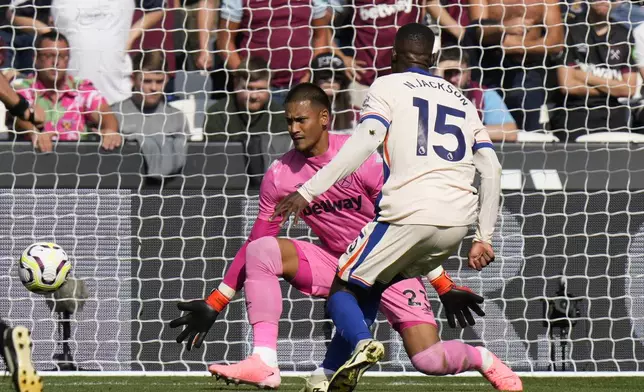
x=217, y=300
x=18, y=110
x=443, y=283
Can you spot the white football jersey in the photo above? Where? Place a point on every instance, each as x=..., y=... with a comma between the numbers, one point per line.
x=433, y=131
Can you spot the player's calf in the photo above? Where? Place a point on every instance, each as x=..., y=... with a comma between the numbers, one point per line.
x=451, y=357
x=16, y=351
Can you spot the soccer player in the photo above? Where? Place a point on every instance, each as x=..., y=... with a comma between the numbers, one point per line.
x=433, y=143
x=15, y=349
x=15, y=343
x=335, y=218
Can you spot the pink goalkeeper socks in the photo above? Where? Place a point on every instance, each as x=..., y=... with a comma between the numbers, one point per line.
x=263, y=292
x=451, y=357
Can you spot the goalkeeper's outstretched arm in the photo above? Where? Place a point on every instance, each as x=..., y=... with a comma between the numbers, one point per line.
x=18, y=106
x=236, y=274
x=202, y=313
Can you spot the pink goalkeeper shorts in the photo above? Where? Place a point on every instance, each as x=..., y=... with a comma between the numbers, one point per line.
x=404, y=304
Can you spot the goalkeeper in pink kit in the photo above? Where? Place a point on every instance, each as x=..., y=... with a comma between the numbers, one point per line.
x=336, y=217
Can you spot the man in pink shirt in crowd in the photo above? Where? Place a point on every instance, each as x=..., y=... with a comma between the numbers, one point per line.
x=72, y=106
x=336, y=218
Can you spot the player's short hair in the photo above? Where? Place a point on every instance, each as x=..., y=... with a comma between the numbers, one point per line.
x=454, y=54
x=149, y=61
x=53, y=35
x=253, y=69
x=308, y=92
x=415, y=39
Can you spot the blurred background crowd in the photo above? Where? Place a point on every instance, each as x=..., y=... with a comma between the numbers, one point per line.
x=164, y=73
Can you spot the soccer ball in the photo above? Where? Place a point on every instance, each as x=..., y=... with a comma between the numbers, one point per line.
x=44, y=267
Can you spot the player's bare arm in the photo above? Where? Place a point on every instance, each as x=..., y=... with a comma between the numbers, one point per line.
x=19, y=107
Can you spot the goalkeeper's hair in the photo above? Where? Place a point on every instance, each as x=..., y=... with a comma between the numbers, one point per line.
x=309, y=92
x=52, y=35
x=150, y=61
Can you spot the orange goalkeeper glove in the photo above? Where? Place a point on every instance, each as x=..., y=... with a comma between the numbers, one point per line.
x=457, y=301
x=202, y=315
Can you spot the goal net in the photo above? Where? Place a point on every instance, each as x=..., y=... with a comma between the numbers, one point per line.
x=566, y=291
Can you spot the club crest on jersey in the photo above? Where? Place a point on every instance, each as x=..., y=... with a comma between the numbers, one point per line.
x=345, y=182
x=324, y=206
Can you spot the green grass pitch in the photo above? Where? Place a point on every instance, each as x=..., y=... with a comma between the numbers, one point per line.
x=373, y=384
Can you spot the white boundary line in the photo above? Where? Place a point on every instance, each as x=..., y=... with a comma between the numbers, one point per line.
x=303, y=374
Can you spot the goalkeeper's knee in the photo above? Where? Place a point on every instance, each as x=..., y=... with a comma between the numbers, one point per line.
x=264, y=256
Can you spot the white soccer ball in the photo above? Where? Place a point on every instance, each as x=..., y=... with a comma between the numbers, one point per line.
x=44, y=267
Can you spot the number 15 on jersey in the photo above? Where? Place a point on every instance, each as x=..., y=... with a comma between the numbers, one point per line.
x=440, y=127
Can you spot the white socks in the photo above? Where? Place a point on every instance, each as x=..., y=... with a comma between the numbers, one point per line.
x=486, y=358
x=268, y=355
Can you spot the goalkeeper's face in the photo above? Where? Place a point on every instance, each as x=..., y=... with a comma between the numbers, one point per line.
x=307, y=126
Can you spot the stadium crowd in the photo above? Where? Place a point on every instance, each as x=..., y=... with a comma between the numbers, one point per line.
x=120, y=68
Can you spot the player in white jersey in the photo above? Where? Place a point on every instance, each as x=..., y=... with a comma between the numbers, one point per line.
x=433, y=142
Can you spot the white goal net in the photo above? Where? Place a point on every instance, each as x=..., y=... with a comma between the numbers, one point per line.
x=158, y=220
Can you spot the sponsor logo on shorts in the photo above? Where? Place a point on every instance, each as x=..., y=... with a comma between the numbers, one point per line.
x=321, y=207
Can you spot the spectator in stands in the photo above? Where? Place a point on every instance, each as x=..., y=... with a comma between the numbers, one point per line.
x=159, y=129
x=100, y=33
x=286, y=35
x=596, y=69
x=194, y=20
x=158, y=37
x=454, y=18
x=571, y=10
x=71, y=105
x=518, y=40
x=328, y=73
x=28, y=17
x=376, y=24
x=6, y=35
x=250, y=117
x=453, y=67
x=627, y=12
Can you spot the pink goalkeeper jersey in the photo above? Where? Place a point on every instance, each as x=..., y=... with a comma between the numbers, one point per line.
x=336, y=216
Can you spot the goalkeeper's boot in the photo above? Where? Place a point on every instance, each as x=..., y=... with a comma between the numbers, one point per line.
x=318, y=381
x=251, y=371
x=366, y=354
x=501, y=376
x=16, y=351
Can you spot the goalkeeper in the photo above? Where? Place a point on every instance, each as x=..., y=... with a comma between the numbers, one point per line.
x=336, y=218
x=15, y=343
